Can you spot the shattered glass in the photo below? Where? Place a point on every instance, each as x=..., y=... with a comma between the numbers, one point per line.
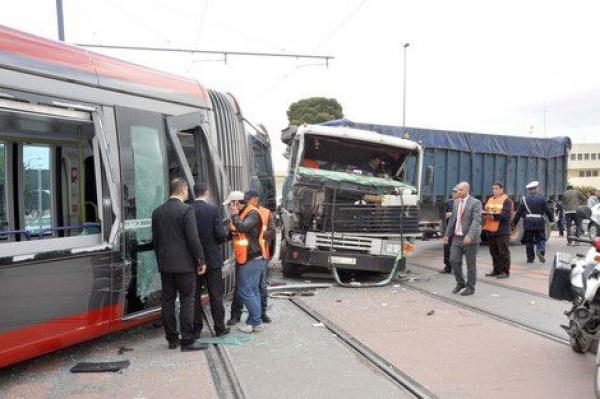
x=356, y=179
x=150, y=193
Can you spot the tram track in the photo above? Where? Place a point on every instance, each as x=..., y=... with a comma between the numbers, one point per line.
x=490, y=282
x=402, y=380
x=224, y=376
x=498, y=317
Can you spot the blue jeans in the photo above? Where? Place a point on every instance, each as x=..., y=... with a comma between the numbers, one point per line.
x=249, y=282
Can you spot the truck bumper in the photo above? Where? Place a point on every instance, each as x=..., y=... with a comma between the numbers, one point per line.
x=320, y=259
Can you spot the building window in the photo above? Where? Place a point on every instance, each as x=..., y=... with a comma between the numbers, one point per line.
x=572, y=157
x=581, y=173
x=588, y=173
x=595, y=173
x=580, y=157
x=586, y=157
x=593, y=156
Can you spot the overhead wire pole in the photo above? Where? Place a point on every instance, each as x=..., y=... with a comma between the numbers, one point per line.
x=225, y=53
x=60, y=20
x=404, y=88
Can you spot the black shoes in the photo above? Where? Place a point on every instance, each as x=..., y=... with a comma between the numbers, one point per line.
x=233, y=320
x=445, y=270
x=492, y=274
x=173, y=344
x=265, y=318
x=467, y=292
x=194, y=346
x=219, y=332
x=541, y=256
x=502, y=276
x=457, y=289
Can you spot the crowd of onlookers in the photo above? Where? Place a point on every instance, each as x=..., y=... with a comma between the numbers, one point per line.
x=468, y=221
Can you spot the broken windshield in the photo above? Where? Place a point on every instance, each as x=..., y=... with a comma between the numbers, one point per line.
x=354, y=157
x=356, y=179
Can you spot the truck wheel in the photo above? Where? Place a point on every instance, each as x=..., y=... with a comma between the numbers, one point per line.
x=291, y=270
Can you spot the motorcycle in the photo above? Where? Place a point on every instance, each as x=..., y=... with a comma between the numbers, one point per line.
x=578, y=280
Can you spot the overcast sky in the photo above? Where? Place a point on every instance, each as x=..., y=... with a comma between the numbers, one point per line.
x=480, y=66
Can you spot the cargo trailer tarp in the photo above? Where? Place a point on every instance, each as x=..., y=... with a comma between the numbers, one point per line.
x=470, y=142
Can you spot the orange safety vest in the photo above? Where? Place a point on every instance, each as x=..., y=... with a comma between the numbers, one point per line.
x=494, y=206
x=240, y=240
x=310, y=163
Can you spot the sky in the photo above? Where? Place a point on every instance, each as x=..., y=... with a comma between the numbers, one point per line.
x=500, y=67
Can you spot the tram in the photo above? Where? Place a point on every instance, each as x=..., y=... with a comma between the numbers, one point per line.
x=88, y=144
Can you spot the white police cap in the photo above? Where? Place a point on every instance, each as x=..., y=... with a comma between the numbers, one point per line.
x=533, y=184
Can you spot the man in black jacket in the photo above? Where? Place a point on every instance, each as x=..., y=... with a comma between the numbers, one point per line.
x=212, y=234
x=448, y=206
x=180, y=258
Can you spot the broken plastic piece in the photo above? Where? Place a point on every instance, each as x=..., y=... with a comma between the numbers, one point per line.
x=99, y=367
x=295, y=287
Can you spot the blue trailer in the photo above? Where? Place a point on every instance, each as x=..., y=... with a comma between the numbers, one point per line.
x=480, y=159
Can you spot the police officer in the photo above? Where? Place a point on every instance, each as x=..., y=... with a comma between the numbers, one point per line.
x=532, y=207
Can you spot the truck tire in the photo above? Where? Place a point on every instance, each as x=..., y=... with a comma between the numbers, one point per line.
x=289, y=269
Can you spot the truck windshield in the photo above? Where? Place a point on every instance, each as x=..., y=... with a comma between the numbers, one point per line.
x=354, y=157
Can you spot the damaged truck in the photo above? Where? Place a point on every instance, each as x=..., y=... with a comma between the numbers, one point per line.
x=350, y=202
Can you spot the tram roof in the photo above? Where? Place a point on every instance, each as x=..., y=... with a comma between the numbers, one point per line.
x=33, y=54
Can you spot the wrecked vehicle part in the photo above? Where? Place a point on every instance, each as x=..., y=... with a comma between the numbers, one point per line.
x=298, y=287
x=340, y=213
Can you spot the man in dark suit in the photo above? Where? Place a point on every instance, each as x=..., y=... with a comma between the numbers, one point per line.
x=448, y=206
x=465, y=229
x=212, y=233
x=180, y=259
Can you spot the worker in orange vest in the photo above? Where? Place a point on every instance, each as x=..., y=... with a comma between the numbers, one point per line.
x=246, y=231
x=267, y=236
x=497, y=215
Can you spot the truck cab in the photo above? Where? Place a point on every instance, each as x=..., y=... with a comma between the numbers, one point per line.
x=350, y=200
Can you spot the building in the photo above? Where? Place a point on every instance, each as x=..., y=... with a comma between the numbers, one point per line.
x=584, y=165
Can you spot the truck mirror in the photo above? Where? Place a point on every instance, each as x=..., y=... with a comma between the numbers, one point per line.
x=429, y=175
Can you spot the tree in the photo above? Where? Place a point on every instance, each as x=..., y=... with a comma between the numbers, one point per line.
x=314, y=110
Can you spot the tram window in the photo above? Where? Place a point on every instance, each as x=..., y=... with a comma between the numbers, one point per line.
x=188, y=143
x=37, y=188
x=48, y=186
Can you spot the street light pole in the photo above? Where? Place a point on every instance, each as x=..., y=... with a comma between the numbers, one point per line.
x=60, y=20
x=404, y=88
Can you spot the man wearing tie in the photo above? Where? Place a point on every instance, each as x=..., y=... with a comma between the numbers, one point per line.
x=464, y=227
x=180, y=259
x=212, y=234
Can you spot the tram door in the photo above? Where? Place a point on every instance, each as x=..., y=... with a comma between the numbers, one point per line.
x=151, y=156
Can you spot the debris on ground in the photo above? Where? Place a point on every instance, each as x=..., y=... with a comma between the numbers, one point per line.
x=318, y=325
x=298, y=287
x=291, y=294
x=124, y=349
x=230, y=339
x=431, y=313
x=100, y=367
x=338, y=300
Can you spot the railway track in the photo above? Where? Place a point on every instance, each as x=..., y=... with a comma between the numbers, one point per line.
x=490, y=282
x=502, y=318
x=402, y=380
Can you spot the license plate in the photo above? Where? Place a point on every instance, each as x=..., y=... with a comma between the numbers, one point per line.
x=342, y=260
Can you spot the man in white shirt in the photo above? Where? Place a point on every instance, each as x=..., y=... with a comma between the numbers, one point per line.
x=464, y=227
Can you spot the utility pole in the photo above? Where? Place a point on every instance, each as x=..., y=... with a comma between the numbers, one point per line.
x=545, y=119
x=404, y=88
x=60, y=20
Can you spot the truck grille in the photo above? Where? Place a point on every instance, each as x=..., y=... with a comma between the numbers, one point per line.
x=323, y=241
x=363, y=218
